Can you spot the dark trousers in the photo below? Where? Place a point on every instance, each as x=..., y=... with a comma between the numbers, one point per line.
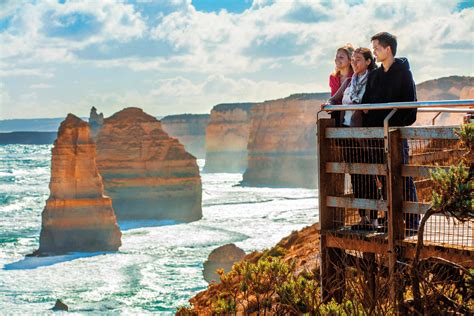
x=372, y=186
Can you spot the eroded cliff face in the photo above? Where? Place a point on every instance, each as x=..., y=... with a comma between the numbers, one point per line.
x=148, y=174
x=190, y=130
x=227, y=136
x=446, y=88
x=77, y=216
x=282, y=142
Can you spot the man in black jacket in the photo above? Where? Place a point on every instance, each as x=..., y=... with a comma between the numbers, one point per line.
x=392, y=82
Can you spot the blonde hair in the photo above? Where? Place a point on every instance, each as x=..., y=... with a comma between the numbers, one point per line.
x=348, y=49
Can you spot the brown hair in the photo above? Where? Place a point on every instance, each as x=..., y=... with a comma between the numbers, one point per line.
x=386, y=39
x=364, y=51
x=348, y=49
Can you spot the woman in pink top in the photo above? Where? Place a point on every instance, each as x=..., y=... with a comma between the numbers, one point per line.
x=342, y=74
x=343, y=69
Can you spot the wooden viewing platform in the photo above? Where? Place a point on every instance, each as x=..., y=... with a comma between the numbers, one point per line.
x=387, y=170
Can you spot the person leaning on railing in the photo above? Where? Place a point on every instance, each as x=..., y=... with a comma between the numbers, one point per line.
x=392, y=82
x=352, y=92
x=341, y=77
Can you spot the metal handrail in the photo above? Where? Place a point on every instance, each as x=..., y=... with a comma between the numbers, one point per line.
x=401, y=105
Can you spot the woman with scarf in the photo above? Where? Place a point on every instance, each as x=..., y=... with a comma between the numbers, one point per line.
x=351, y=92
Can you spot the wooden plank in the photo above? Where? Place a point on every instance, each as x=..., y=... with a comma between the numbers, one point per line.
x=354, y=132
x=435, y=156
x=431, y=132
x=421, y=171
x=463, y=257
x=416, y=207
x=347, y=202
x=373, y=246
x=356, y=168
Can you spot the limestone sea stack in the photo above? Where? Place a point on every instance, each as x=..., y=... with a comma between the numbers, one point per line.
x=282, y=142
x=190, y=130
x=148, y=174
x=222, y=257
x=227, y=136
x=77, y=216
x=95, y=121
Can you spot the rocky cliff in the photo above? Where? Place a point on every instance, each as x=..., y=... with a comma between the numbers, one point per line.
x=148, y=174
x=77, y=216
x=190, y=130
x=227, y=136
x=446, y=88
x=282, y=142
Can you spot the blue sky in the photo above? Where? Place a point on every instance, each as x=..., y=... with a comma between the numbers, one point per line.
x=183, y=56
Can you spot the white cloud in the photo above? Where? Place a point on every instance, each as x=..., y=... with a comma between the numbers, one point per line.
x=38, y=30
x=40, y=86
x=216, y=86
x=273, y=49
x=18, y=72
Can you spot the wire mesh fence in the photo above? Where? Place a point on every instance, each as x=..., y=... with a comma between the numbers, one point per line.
x=361, y=159
x=360, y=167
x=441, y=149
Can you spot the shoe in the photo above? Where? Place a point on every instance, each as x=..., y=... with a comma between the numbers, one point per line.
x=363, y=225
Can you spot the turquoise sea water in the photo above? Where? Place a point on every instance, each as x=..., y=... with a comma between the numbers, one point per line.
x=159, y=265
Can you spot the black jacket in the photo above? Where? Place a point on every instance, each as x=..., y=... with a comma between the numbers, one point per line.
x=395, y=85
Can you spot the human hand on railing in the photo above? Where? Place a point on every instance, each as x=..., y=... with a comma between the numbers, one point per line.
x=325, y=105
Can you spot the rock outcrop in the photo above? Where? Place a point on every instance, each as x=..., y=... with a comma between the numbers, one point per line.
x=226, y=138
x=446, y=88
x=60, y=306
x=190, y=130
x=95, y=122
x=148, y=174
x=77, y=216
x=221, y=258
x=282, y=142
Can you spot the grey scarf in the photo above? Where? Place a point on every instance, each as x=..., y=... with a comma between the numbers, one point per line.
x=357, y=87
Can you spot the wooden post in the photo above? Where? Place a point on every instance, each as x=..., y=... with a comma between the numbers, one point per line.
x=332, y=266
x=369, y=273
x=395, y=212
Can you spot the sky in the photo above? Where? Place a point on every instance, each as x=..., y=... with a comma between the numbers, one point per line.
x=183, y=56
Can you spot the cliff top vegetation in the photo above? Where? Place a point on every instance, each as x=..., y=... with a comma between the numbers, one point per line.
x=185, y=116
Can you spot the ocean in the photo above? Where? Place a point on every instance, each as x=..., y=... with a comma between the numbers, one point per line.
x=158, y=267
